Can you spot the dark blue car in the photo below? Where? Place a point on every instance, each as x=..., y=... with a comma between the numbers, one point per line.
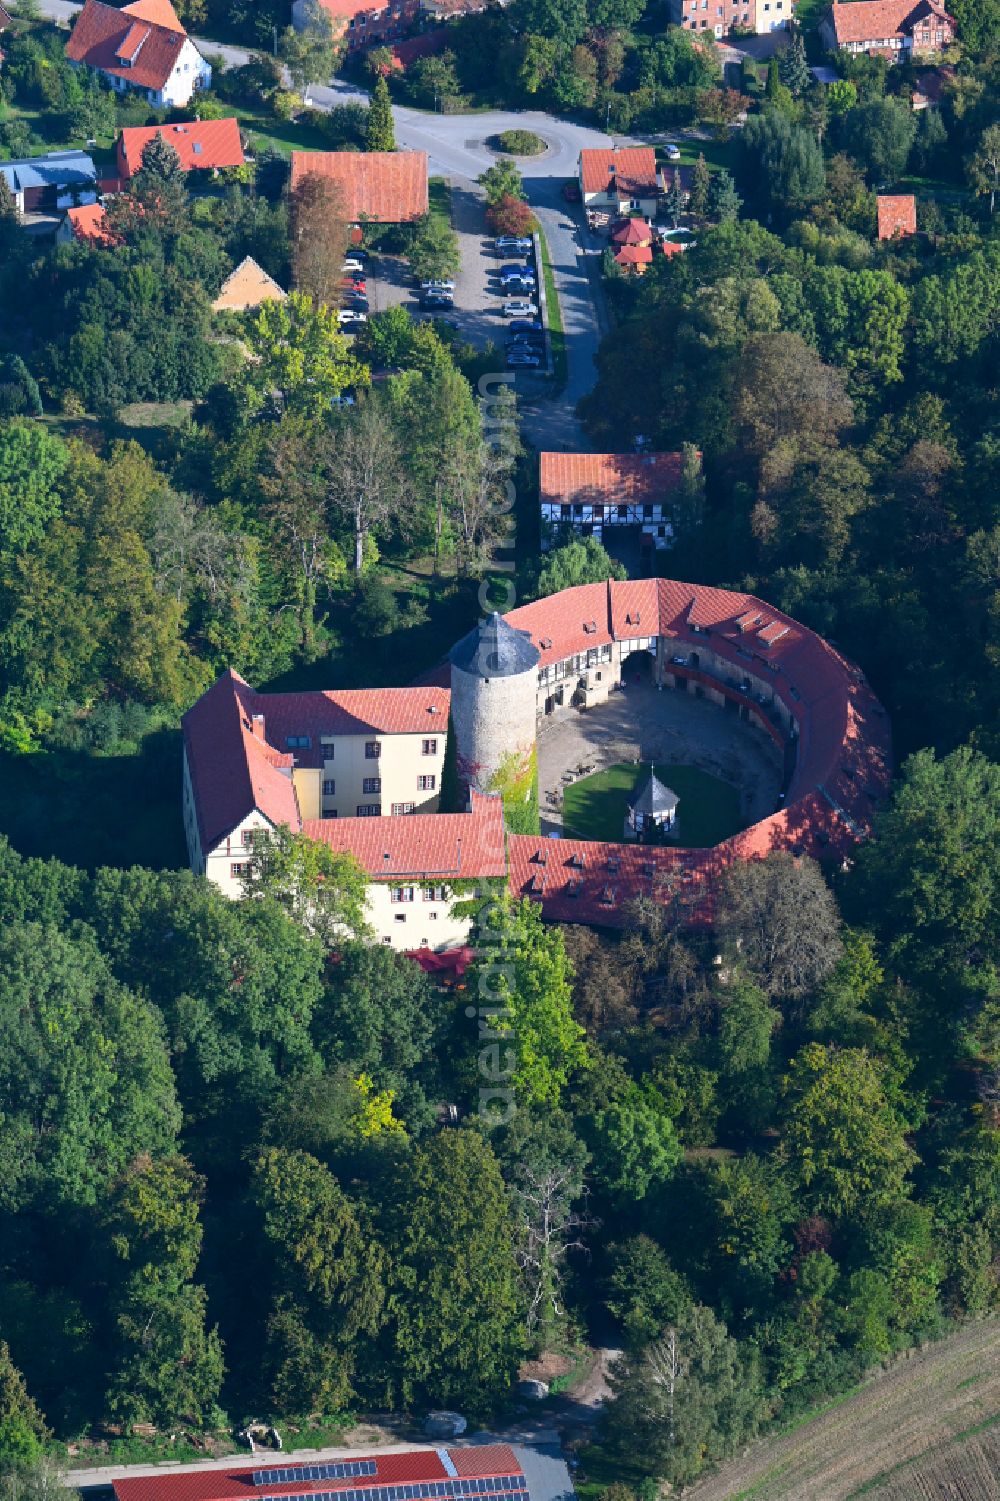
x=525, y=325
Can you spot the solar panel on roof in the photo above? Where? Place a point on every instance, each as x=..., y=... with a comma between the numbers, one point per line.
x=334, y=1470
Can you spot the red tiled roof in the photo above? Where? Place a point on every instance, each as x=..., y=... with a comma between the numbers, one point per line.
x=237, y=766
x=843, y=758
x=418, y=845
x=608, y=478
x=388, y=186
x=671, y=247
x=233, y=771
x=444, y=962
x=160, y=12
x=878, y=20
x=634, y=255
x=631, y=232
x=631, y=168
x=199, y=144
x=930, y=86
x=342, y=11
x=428, y=44
x=89, y=223
x=897, y=215
x=100, y=32
x=235, y=1483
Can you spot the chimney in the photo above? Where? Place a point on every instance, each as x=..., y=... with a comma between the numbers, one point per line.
x=257, y=720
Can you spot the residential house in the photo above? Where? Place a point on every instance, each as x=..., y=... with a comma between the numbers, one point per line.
x=361, y=23
x=143, y=47
x=256, y=760
x=622, y=182
x=897, y=215
x=590, y=492
x=385, y=187
x=201, y=145
x=928, y=89
x=86, y=225
x=58, y=180
x=720, y=17
x=413, y=48
x=247, y=287
x=897, y=29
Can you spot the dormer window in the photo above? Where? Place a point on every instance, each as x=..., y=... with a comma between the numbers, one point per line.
x=297, y=742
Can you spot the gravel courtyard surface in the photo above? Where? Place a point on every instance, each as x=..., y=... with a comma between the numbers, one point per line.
x=643, y=724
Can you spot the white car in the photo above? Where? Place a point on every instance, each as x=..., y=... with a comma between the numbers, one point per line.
x=519, y=307
x=353, y=264
x=506, y=243
x=673, y=153
x=348, y=315
x=437, y=286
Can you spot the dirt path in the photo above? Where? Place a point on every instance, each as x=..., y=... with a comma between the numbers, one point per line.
x=922, y=1405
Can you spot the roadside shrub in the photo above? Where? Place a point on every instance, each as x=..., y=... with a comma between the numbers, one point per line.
x=518, y=143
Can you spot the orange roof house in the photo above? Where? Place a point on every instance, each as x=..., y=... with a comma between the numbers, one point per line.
x=389, y=187
x=897, y=215
x=620, y=180
x=634, y=257
x=143, y=47
x=247, y=287
x=894, y=28
x=609, y=479
x=87, y=224
x=200, y=144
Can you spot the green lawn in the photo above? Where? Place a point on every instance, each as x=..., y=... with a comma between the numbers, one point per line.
x=709, y=810
x=716, y=153
x=557, y=339
x=284, y=136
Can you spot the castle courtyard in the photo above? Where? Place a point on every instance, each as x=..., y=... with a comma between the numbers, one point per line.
x=647, y=725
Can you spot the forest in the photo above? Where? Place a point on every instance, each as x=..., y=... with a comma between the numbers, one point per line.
x=762, y=1160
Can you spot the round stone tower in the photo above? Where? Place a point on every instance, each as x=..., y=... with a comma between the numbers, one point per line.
x=494, y=681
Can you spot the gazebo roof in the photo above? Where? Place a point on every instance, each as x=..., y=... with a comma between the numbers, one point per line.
x=653, y=798
x=631, y=232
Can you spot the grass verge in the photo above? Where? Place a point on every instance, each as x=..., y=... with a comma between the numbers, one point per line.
x=557, y=337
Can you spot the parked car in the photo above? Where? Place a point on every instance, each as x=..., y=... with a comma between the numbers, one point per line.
x=516, y=273
x=437, y=299
x=673, y=153
x=519, y=307
x=526, y=325
x=348, y=315
x=518, y=361
x=571, y=192
x=354, y=263
x=505, y=243
x=437, y=285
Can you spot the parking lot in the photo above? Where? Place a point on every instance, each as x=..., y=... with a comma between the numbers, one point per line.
x=478, y=294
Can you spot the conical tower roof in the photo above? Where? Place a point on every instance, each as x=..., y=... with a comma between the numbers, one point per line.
x=494, y=649
x=653, y=799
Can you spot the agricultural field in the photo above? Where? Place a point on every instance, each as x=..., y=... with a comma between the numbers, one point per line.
x=929, y=1428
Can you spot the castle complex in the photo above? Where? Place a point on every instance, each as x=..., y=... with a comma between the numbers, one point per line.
x=362, y=771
